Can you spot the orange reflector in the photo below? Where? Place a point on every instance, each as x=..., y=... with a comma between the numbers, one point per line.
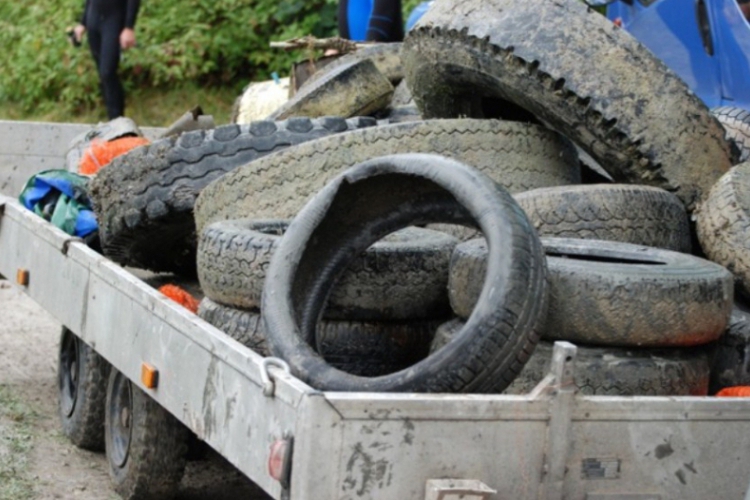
x=149, y=376
x=22, y=277
x=280, y=461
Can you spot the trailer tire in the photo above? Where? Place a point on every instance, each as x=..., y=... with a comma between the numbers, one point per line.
x=146, y=446
x=723, y=224
x=615, y=294
x=611, y=371
x=641, y=215
x=403, y=277
x=361, y=348
x=571, y=68
x=276, y=187
x=375, y=198
x=736, y=122
x=144, y=199
x=357, y=88
x=82, y=391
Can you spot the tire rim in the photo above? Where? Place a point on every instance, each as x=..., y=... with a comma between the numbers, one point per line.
x=68, y=376
x=120, y=420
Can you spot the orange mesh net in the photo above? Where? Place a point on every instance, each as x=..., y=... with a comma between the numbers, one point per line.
x=180, y=296
x=102, y=152
x=739, y=391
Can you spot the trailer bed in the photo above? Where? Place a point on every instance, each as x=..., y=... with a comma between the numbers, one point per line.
x=549, y=444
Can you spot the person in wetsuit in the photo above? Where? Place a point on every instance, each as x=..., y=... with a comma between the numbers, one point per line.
x=110, y=25
x=371, y=20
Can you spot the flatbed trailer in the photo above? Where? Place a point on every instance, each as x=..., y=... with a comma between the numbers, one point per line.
x=549, y=444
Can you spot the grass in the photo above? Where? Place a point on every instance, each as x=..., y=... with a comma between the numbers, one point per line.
x=149, y=107
x=16, y=421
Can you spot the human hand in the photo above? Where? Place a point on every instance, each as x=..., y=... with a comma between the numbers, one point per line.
x=78, y=32
x=127, y=38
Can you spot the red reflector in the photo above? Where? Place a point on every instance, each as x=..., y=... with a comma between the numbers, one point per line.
x=280, y=461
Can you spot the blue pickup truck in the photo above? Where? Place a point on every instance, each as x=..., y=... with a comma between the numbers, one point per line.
x=706, y=42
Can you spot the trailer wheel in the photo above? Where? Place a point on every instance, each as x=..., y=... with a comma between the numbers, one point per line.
x=641, y=215
x=402, y=277
x=567, y=66
x=144, y=199
x=146, y=446
x=612, y=371
x=359, y=347
x=736, y=122
x=723, y=224
x=614, y=294
x=373, y=199
x=276, y=187
x=82, y=389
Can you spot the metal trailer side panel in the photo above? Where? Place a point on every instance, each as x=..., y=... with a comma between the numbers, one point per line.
x=30, y=147
x=210, y=382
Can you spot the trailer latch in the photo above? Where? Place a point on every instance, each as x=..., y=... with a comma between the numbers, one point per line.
x=265, y=375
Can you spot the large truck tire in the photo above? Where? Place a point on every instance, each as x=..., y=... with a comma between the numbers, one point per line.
x=517, y=156
x=82, y=391
x=564, y=64
x=641, y=215
x=373, y=199
x=145, y=444
x=736, y=122
x=614, y=294
x=357, y=88
x=611, y=371
x=144, y=199
x=723, y=224
x=361, y=348
x=402, y=277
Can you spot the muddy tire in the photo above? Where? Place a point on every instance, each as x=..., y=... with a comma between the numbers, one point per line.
x=360, y=348
x=614, y=294
x=352, y=89
x=723, y=224
x=144, y=199
x=736, y=122
x=82, y=391
x=373, y=199
x=403, y=277
x=573, y=69
x=277, y=187
x=730, y=359
x=616, y=212
x=611, y=371
x=145, y=444
x=385, y=56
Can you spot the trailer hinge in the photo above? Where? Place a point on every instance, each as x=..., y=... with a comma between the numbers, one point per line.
x=269, y=387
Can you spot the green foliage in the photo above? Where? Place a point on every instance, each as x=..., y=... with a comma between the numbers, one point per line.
x=204, y=41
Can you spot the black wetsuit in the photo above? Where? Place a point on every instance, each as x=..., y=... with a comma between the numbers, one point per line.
x=104, y=21
x=386, y=22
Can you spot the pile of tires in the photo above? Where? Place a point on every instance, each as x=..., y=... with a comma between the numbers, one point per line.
x=445, y=241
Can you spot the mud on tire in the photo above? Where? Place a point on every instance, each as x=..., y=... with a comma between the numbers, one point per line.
x=144, y=199
x=573, y=69
x=276, y=187
x=614, y=294
x=402, y=277
x=361, y=348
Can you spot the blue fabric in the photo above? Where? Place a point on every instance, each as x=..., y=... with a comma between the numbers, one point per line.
x=358, y=17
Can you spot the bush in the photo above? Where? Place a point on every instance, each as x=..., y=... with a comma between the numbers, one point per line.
x=209, y=41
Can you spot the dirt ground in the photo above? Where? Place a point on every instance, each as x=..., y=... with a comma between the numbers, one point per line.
x=36, y=460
